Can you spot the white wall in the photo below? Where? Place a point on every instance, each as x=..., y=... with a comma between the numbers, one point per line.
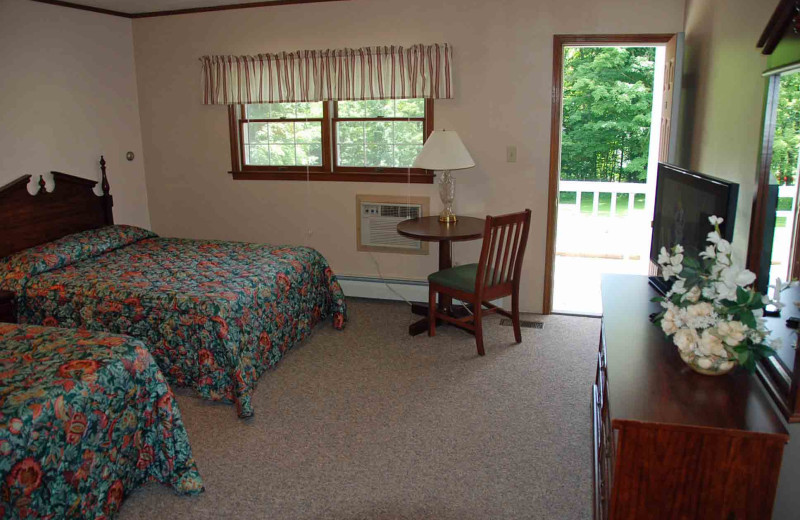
x=68, y=95
x=723, y=96
x=502, y=79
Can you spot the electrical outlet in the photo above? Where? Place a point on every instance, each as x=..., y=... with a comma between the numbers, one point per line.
x=511, y=153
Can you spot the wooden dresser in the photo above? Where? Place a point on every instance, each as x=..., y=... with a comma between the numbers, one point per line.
x=670, y=443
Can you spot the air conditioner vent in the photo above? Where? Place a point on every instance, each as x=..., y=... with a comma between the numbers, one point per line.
x=377, y=220
x=400, y=211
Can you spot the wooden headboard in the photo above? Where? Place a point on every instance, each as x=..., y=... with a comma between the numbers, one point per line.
x=29, y=220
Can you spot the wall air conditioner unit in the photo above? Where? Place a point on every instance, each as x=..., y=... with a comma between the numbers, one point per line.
x=377, y=217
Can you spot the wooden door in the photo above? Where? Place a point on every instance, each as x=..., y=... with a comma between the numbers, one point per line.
x=673, y=66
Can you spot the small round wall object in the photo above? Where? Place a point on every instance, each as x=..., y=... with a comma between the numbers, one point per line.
x=129, y=156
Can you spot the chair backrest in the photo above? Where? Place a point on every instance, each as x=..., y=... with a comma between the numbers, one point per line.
x=504, y=241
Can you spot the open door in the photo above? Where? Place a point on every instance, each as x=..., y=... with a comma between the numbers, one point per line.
x=673, y=67
x=590, y=202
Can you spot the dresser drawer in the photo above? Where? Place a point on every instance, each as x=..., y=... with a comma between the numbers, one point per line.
x=602, y=458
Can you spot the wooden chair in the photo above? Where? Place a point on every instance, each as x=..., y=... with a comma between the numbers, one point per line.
x=496, y=275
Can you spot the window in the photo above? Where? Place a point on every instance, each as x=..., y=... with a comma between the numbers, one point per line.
x=282, y=134
x=373, y=140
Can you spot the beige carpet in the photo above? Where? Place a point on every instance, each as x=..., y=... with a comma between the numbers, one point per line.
x=372, y=423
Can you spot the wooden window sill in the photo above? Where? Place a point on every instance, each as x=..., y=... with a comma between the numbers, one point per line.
x=396, y=177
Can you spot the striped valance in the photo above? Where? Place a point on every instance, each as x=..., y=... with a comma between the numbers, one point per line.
x=389, y=72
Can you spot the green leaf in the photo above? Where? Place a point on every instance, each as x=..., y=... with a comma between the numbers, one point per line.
x=742, y=296
x=691, y=262
x=746, y=317
x=750, y=365
x=744, y=356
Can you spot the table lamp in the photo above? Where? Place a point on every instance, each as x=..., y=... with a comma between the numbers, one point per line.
x=444, y=151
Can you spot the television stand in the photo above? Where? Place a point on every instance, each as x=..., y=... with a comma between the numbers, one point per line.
x=670, y=442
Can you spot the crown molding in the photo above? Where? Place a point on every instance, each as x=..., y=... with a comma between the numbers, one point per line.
x=174, y=12
x=85, y=8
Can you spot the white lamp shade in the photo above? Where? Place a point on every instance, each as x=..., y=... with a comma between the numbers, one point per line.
x=443, y=151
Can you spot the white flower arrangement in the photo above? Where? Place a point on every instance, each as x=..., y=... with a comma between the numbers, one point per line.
x=713, y=315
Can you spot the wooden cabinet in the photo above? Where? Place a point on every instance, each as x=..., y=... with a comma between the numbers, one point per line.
x=7, y=314
x=668, y=442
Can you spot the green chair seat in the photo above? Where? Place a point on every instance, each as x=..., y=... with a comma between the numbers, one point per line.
x=461, y=277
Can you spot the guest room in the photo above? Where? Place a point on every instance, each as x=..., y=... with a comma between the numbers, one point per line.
x=399, y=259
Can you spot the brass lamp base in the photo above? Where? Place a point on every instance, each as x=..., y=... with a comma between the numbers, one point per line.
x=447, y=216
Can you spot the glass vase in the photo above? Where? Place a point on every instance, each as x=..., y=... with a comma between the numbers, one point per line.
x=708, y=365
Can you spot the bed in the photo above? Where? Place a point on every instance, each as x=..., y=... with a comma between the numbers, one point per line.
x=85, y=417
x=214, y=314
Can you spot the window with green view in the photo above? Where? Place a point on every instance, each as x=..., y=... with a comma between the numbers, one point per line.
x=379, y=133
x=283, y=134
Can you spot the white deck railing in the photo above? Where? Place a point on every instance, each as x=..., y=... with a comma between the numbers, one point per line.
x=594, y=234
x=596, y=188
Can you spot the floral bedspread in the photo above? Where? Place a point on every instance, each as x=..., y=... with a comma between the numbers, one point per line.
x=85, y=417
x=215, y=315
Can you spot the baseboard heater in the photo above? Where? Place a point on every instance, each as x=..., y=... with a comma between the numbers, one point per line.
x=371, y=287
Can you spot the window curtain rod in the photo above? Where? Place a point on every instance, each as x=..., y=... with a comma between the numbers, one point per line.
x=386, y=72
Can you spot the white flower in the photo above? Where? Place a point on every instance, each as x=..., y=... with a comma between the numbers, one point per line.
x=723, y=259
x=676, y=262
x=693, y=295
x=686, y=339
x=714, y=237
x=700, y=310
x=732, y=332
x=710, y=252
x=710, y=344
x=725, y=291
x=663, y=256
x=715, y=220
x=699, y=316
x=668, y=323
x=737, y=276
x=709, y=292
x=723, y=246
x=678, y=287
x=678, y=249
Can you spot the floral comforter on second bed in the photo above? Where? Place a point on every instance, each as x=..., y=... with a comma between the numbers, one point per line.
x=215, y=315
x=85, y=417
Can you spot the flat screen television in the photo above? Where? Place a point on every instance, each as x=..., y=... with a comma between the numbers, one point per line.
x=684, y=201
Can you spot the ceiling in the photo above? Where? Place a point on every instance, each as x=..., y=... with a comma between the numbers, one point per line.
x=149, y=6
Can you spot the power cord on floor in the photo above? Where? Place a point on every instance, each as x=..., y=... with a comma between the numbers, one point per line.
x=380, y=275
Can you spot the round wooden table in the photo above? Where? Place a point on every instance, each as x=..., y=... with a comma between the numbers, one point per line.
x=430, y=229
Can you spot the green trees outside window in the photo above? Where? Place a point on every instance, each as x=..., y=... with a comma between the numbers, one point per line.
x=608, y=96
x=787, y=131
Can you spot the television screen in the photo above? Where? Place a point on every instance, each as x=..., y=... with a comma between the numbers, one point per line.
x=684, y=201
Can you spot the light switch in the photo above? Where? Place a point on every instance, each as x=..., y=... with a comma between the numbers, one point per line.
x=511, y=153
